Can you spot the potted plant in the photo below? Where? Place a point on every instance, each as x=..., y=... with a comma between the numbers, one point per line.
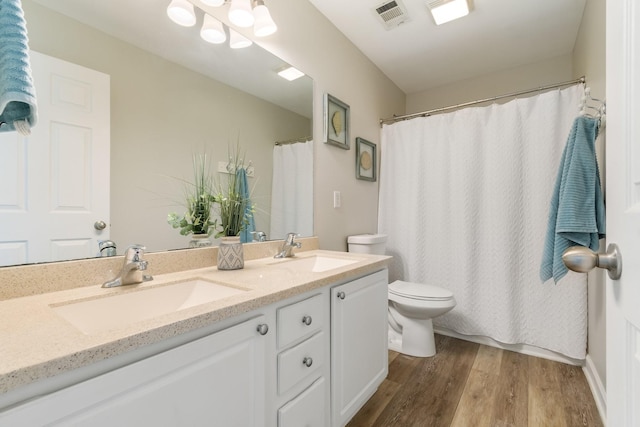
x=235, y=214
x=198, y=220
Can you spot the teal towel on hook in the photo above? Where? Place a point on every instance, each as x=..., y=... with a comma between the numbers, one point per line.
x=243, y=189
x=17, y=93
x=577, y=212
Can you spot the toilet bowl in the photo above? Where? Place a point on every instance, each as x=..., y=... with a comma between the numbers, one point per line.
x=412, y=306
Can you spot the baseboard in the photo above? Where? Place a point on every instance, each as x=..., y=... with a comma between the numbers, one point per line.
x=597, y=388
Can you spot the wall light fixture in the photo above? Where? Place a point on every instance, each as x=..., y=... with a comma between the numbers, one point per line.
x=181, y=12
x=212, y=30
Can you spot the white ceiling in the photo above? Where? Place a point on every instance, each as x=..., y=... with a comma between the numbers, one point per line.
x=416, y=56
x=497, y=35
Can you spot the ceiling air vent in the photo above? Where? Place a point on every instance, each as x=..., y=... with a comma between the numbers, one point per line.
x=391, y=13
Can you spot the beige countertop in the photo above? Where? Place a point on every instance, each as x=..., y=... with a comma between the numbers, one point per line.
x=37, y=343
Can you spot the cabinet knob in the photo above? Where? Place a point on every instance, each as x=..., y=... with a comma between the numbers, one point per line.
x=341, y=295
x=263, y=328
x=307, y=361
x=307, y=320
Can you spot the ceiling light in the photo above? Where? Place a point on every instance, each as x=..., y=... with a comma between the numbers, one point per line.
x=240, y=13
x=447, y=10
x=212, y=30
x=214, y=3
x=264, y=25
x=237, y=40
x=290, y=73
x=181, y=12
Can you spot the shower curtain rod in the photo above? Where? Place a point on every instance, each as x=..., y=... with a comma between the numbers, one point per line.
x=293, y=141
x=479, y=101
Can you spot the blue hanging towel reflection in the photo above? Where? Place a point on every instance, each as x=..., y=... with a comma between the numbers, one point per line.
x=17, y=94
x=577, y=212
x=243, y=189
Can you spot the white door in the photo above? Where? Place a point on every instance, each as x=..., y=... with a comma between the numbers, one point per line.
x=623, y=211
x=54, y=184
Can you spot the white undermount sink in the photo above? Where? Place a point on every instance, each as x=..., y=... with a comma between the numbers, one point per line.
x=104, y=313
x=315, y=263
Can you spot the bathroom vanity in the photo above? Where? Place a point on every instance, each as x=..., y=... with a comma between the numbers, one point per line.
x=302, y=341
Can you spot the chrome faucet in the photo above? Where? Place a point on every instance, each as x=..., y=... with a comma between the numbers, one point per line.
x=288, y=245
x=259, y=236
x=132, y=269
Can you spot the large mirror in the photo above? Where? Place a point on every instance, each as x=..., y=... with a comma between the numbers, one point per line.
x=172, y=95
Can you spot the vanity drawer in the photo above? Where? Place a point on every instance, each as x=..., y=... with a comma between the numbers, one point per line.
x=299, y=320
x=300, y=362
x=307, y=409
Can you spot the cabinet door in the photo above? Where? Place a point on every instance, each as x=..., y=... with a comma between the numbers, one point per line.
x=358, y=343
x=217, y=380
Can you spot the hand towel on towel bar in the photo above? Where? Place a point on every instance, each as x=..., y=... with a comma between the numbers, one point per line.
x=17, y=94
x=577, y=214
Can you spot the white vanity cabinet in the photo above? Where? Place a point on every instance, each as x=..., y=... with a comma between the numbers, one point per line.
x=215, y=380
x=322, y=357
x=359, y=358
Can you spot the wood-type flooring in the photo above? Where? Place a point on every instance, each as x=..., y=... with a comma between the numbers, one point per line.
x=472, y=385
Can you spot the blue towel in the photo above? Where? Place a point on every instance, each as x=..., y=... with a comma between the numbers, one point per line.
x=243, y=189
x=577, y=214
x=17, y=94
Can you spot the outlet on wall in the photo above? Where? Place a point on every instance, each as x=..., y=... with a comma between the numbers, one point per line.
x=337, y=202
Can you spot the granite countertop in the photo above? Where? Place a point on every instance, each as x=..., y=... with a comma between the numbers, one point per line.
x=37, y=343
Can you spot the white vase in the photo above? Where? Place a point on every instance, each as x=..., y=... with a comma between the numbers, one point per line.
x=230, y=254
x=199, y=241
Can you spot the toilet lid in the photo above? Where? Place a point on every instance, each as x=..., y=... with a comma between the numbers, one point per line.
x=419, y=291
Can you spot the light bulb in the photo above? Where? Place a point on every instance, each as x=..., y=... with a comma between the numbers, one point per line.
x=237, y=40
x=240, y=13
x=212, y=30
x=264, y=25
x=214, y=3
x=181, y=12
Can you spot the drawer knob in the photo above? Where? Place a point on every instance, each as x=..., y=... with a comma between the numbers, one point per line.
x=306, y=320
x=307, y=361
x=263, y=328
x=341, y=295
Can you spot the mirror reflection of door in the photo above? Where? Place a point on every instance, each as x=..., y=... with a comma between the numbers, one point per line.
x=54, y=184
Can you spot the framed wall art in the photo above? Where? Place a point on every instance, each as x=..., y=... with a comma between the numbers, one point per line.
x=366, y=163
x=336, y=122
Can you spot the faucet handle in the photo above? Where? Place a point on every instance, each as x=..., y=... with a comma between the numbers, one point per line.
x=290, y=237
x=134, y=253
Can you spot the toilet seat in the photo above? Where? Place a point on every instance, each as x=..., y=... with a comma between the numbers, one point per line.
x=419, y=291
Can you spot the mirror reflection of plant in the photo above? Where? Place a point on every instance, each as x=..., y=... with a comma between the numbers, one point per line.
x=199, y=200
x=235, y=207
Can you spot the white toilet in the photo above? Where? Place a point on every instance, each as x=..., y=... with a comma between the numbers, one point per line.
x=411, y=305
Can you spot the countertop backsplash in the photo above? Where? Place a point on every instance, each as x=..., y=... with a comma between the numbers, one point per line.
x=32, y=279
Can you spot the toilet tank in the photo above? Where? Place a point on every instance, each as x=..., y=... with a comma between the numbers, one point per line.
x=368, y=243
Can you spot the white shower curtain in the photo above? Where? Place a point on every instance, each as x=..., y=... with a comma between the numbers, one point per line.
x=464, y=198
x=292, y=190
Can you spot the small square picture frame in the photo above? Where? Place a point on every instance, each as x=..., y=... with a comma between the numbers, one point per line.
x=366, y=160
x=336, y=122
